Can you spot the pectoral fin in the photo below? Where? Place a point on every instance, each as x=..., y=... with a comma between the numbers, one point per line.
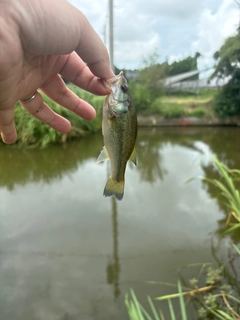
x=133, y=157
x=103, y=155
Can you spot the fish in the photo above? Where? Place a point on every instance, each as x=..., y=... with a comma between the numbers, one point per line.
x=119, y=130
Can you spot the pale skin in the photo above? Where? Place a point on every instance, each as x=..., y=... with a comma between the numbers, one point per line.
x=39, y=41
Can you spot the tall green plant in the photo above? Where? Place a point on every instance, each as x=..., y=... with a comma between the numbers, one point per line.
x=227, y=102
x=228, y=189
x=216, y=299
x=137, y=312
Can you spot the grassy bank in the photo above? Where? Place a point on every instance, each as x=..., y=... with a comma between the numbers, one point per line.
x=32, y=132
x=175, y=107
x=181, y=105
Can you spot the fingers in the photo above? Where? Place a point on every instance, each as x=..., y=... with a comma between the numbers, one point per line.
x=42, y=112
x=56, y=89
x=7, y=128
x=76, y=71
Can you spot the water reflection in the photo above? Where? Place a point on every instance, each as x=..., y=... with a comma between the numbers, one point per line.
x=22, y=166
x=226, y=146
x=59, y=237
x=34, y=165
x=113, y=267
x=150, y=164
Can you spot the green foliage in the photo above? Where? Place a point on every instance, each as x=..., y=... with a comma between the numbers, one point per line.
x=153, y=71
x=228, y=57
x=217, y=300
x=142, y=96
x=227, y=102
x=171, y=111
x=229, y=190
x=185, y=65
x=183, y=106
x=214, y=300
x=32, y=132
x=198, y=112
x=137, y=312
x=148, y=89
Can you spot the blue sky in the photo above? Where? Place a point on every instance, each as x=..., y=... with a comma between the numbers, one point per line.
x=174, y=29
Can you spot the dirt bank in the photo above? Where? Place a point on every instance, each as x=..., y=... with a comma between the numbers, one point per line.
x=157, y=121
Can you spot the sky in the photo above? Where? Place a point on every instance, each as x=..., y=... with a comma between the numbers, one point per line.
x=174, y=29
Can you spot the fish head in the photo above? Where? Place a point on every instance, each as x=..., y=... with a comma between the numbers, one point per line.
x=119, y=95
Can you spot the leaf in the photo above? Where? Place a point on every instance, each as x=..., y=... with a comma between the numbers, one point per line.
x=231, y=229
x=153, y=309
x=236, y=248
x=182, y=303
x=171, y=310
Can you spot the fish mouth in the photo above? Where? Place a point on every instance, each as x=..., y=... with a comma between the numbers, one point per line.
x=111, y=81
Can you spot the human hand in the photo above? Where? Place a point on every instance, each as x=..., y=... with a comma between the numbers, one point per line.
x=40, y=40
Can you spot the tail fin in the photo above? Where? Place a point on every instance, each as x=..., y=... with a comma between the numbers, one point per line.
x=114, y=188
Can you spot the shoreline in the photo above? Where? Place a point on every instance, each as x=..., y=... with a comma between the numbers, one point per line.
x=157, y=121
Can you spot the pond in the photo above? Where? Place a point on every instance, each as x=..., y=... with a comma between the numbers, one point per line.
x=67, y=252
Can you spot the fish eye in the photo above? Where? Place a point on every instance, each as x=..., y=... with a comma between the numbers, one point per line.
x=124, y=87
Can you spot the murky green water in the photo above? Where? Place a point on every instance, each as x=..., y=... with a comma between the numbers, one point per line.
x=66, y=252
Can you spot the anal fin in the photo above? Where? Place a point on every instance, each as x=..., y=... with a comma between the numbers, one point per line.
x=133, y=157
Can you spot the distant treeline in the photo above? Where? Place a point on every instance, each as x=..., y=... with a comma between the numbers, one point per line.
x=154, y=71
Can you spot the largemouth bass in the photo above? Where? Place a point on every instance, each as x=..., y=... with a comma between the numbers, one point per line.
x=119, y=129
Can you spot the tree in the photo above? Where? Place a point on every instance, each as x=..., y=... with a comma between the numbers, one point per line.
x=228, y=57
x=185, y=65
x=152, y=70
x=227, y=102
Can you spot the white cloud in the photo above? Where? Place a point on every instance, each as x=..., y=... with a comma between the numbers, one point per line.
x=131, y=53
x=214, y=29
x=173, y=28
x=96, y=12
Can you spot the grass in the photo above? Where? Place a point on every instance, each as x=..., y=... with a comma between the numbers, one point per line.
x=227, y=185
x=189, y=106
x=214, y=300
x=151, y=100
x=137, y=312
